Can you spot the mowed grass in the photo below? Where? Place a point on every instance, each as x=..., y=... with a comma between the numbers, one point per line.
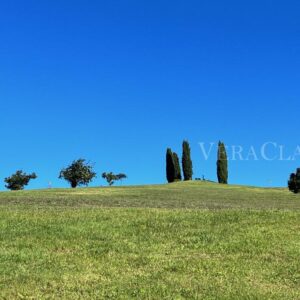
x=189, y=195
x=180, y=241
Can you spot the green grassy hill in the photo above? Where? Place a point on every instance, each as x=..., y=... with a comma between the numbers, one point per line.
x=192, y=195
x=190, y=240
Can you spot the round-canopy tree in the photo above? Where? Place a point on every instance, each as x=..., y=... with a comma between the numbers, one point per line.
x=78, y=173
x=18, y=180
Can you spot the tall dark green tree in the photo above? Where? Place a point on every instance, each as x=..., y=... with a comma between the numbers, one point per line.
x=178, y=176
x=170, y=166
x=294, y=182
x=187, y=164
x=222, y=164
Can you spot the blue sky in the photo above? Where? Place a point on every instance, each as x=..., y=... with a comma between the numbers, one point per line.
x=117, y=82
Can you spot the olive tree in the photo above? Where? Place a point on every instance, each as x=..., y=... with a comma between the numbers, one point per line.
x=18, y=180
x=111, y=178
x=78, y=173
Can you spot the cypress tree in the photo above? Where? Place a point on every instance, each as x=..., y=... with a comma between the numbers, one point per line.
x=177, y=167
x=170, y=166
x=222, y=164
x=294, y=182
x=187, y=165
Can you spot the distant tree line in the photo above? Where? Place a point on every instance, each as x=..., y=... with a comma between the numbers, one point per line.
x=173, y=170
x=78, y=173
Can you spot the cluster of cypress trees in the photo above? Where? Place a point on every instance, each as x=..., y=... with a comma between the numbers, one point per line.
x=173, y=169
x=173, y=166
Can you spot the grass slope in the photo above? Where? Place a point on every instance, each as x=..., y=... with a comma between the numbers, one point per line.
x=191, y=195
x=208, y=242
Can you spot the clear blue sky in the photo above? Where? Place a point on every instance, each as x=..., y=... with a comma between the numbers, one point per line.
x=117, y=82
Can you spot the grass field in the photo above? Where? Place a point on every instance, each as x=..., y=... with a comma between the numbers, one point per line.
x=181, y=241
